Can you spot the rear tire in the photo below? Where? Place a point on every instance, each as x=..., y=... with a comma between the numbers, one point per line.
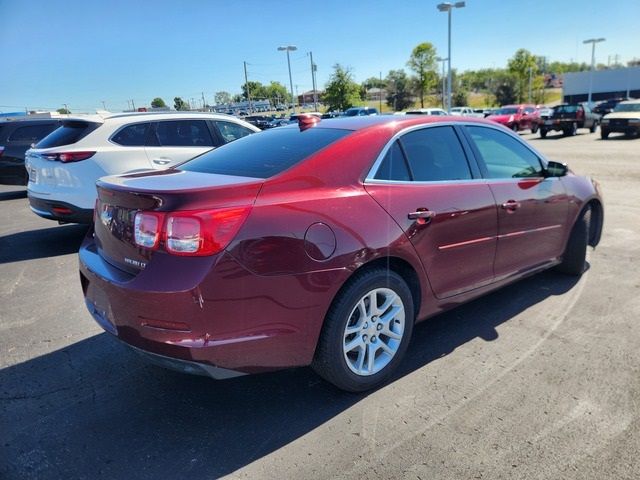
x=362, y=341
x=573, y=130
x=515, y=128
x=534, y=128
x=575, y=253
x=543, y=133
x=594, y=127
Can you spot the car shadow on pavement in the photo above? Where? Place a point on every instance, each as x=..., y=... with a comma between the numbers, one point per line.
x=13, y=195
x=96, y=410
x=41, y=243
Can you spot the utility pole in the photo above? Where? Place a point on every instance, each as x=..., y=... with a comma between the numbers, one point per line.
x=314, y=67
x=593, y=42
x=380, y=93
x=133, y=105
x=66, y=108
x=530, y=78
x=204, y=102
x=103, y=105
x=246, y=86
x=289, y=48
x=440, y=59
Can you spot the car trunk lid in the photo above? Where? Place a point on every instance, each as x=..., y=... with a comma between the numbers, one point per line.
x=120, y=198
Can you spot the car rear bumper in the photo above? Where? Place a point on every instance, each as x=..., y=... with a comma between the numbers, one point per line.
x=60, y=211
x=209, y=314
x=12, y=172
x=626, y=129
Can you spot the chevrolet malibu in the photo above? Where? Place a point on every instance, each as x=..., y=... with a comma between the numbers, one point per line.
x=323, y=243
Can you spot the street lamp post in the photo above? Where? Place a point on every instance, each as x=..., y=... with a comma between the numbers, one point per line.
x=448, y=7
x=289, y=48
x=440, y=59
x=593, y=42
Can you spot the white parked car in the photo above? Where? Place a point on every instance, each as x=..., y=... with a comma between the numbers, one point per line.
x=426, y=111
x=466, y=112
x=64, y=166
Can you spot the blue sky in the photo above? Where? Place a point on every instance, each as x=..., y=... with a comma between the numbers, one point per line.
x=83, y=52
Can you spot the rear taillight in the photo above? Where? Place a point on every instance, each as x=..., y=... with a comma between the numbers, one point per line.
x=192, y=233
x=147, y=229
x=67, y=157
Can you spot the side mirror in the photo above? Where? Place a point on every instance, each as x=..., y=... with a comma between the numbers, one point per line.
x=556, y=169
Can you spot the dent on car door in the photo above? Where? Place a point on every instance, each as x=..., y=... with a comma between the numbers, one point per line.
x=426, y=183
x=532, y=209
x=175, y=141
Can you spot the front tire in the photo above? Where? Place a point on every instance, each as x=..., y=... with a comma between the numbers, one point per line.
x=366, y=331
x=515, y=128
x=575, y=253
x=604, y=133
x=543, y=133
x=573, y=130
x=534, y=128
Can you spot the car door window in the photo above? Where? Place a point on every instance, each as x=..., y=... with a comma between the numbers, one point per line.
x=394, y=165
x=183, y=133
x=31, y=133
x=503, y=155
x=132, y=135
x=232, y=131
x=435, y=154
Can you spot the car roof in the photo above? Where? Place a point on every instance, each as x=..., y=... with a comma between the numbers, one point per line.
x=400, y=121
x=128, y=116
x=633, y=102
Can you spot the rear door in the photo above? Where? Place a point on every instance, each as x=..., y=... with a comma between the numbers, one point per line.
x=532, y=209
x=175, y=141
x=428, y=185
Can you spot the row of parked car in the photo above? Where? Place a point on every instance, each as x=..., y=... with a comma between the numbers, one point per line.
x=222, y=251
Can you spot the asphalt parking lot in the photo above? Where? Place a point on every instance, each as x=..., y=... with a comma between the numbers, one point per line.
x=540, y=380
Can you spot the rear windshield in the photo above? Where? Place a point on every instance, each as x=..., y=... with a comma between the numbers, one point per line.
x=264, y=154
x=627, y=107
x=566, y=109
x=68, y=133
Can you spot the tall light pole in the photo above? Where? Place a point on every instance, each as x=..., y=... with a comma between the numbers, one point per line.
x=289, y=48
x=440, y=59
x=448, y=7
x=593, y=42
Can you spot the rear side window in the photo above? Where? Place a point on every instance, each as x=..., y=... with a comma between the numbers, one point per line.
x=232, y=131
x=435, y=154
x=266, y=154
x=393, y=166
x=31, y=133
x=132, y=135
x=503, y=155
x=183, y=133
x=69, y=133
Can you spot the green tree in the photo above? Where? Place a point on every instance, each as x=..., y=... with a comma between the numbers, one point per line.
x=341, y=91
x=63, y=111
x=158, y=103
x=222, y=98
x=256, y=90
x=180, y=104
x=423, y=63
x=521, y=65
x=399, y=94
x=277, y=93
x=460, y=98
x=504, y=89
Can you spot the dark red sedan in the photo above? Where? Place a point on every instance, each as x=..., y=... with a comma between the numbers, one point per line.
x=323, y=243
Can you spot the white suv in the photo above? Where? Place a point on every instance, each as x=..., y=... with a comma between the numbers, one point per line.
x=64, y=166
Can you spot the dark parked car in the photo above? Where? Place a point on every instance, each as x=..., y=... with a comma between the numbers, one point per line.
x=16, y=137
x=323, y=245
x=568, y=118
x=360, y=111
x=261, y=121
x=608, y=105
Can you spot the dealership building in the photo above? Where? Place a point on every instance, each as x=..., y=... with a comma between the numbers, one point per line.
x=614, y=83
